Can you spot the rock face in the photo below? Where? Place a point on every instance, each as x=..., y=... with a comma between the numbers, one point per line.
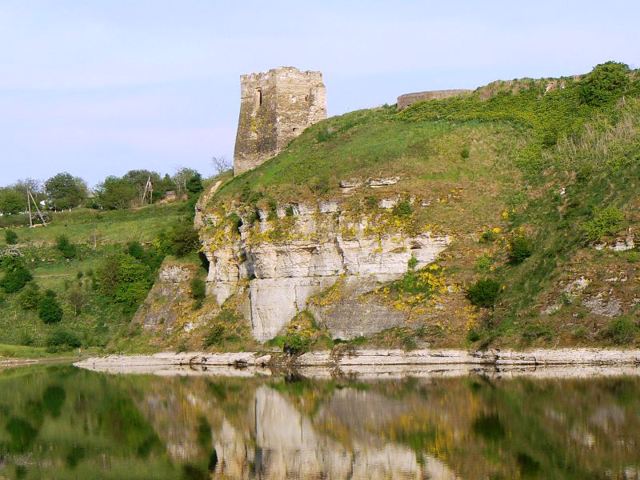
x=160, y=311
x=276, y=106
x=320, y=248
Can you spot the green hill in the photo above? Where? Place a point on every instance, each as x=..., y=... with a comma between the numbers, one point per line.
x=535, y=181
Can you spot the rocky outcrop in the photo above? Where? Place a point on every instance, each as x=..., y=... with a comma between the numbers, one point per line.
x=161, y=309
x=281, y=263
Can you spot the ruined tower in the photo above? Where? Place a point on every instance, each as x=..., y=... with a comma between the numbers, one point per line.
x=276, y=106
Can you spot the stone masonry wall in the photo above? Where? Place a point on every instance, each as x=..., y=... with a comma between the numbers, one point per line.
x=409, y=98
x=276, y=106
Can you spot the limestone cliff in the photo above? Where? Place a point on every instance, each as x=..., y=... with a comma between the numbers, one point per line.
x=284, y=258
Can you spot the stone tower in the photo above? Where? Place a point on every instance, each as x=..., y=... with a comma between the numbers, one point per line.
x=276, y=106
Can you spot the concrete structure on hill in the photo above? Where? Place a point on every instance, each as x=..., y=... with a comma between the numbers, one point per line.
x=276, y=106
x=409, y=98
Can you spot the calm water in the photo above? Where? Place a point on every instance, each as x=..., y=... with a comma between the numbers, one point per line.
x=63, y=423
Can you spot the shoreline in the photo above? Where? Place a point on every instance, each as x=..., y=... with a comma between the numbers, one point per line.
x=571, y=362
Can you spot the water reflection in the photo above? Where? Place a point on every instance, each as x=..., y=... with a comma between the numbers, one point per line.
x=65, y=423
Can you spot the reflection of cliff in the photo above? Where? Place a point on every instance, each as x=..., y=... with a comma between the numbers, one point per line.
x=287, y=445
x=439, y=429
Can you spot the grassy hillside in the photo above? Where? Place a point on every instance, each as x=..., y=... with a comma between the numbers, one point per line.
x=536, y=181
x=90, y=314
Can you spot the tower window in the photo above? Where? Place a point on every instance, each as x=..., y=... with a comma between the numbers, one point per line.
x=258, y=97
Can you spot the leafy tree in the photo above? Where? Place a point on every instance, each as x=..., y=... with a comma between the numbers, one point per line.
x=180, y=179
x=16, y=275
x=65, y=247
x=139, y=178
x=194, y=184
x=606, y=82
x=11, y=201
x=77, y=298
x=49, y=310
x=65, y=191
x=10, y=237
x=116, y=193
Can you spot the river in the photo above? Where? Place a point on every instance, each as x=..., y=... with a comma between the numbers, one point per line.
x=61, y=422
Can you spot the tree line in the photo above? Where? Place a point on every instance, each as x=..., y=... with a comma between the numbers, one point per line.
x=64, y=191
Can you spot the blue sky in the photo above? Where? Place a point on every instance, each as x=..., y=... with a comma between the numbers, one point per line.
x=99, y=87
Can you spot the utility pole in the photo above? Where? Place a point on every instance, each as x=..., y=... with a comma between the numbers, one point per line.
x=29, y=207
x=31, y=199
x=148, y=188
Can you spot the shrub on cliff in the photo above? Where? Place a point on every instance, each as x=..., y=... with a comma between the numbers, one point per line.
x=605, y=221
x=484, y=293
x=621, y=331
x=520, y=248
x=198, y=291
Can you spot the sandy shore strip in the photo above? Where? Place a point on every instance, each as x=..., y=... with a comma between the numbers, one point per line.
x=375, y=362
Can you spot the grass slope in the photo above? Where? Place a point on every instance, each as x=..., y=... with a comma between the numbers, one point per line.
x=96, y=235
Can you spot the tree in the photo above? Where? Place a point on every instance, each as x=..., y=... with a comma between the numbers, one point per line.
x=49, y=310
x=77, y=299
x=30, y=297
x=11, y=201
x=116, y=193
x=194, y=184
x=139, y=178
x=221, y=164
x=180, y=179
x=16, y=275
x=65, y=191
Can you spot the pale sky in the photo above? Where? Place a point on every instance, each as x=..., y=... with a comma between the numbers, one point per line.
x=99, y=87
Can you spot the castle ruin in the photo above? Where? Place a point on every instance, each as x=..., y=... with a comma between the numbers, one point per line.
x=276, y=106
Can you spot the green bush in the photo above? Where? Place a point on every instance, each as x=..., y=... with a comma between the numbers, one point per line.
x=198, y=291
x=488, y=236
x=62, y=340
x=180, y=240
x=464, y=153
x=606, y=82
x=224, y=329
x=49, y=310
x=621, y=331
x=403, y=209
x=65, y=247
x=484, y=293
x=16, y=275
x=29, y=298
x=605, y=221
x=124, y=280
x=10, y=237
x=520, y=248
